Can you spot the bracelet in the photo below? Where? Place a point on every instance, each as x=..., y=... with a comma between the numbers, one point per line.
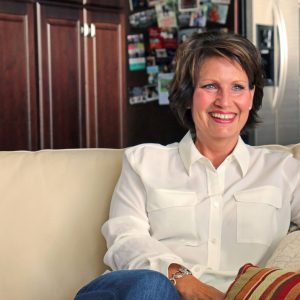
x=181, y=272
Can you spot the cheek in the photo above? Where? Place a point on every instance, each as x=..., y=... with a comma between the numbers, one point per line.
x=245, y=103
x=200, y=100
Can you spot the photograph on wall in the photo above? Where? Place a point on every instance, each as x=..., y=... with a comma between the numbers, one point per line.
x=169, y=36
x=221, y=1
x=136, y=52
x=155, y=2
x=188, y=5
x=161, y=54
x=136, y=95
x=143, y=94
x=166, y=15
x=217, y=13
x=152, y=72
x=151, y=60
x=155, y=38
x=183, y=34
x=164, y=80
x=150, y=93
x=199, y=17
x=143, y=19
x=162, y=38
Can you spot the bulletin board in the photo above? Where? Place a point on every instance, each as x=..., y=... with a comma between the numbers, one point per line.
x=157, y=27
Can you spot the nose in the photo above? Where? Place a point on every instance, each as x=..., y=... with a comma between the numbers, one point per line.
x=222, y=97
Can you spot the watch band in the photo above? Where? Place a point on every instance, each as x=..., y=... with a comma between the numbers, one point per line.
x=181, y=272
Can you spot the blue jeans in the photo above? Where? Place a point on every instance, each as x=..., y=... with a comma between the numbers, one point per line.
x=129, y=285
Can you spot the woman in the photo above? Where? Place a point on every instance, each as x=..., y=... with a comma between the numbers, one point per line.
x=197, y=210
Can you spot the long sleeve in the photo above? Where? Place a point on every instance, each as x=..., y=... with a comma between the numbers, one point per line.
x=127, y=232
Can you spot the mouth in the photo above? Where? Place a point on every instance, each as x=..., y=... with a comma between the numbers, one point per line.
x=223, y=117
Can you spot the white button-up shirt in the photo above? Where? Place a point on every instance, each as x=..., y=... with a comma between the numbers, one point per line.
x=172, y=206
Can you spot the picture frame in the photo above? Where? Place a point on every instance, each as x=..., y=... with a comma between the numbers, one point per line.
x=188, y=5
x=166, y=15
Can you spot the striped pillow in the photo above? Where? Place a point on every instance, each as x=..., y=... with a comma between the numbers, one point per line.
x=255, y=283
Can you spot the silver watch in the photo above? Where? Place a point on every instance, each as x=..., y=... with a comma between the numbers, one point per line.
x=181, y=272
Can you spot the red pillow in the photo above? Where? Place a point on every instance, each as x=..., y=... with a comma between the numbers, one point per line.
x=255, y=283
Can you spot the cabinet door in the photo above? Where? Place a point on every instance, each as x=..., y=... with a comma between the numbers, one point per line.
x=61, y=76
x=18, y=114
x=106, y=79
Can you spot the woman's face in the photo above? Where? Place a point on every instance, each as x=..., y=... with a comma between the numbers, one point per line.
x=221, y=101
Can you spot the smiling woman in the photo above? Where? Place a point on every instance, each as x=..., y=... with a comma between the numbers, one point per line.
x=217, y=90
x=198, y=210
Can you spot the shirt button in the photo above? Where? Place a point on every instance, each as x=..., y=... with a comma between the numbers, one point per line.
x=216, y=204
x=213, y=241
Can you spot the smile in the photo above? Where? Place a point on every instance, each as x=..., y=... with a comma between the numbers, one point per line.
x=223, y=116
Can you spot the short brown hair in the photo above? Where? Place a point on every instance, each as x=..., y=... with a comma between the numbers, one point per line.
x=191, y=55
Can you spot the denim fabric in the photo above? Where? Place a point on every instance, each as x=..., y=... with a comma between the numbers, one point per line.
x=129, y=285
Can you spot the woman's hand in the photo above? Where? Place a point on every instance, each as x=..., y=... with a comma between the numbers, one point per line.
x=190, y=288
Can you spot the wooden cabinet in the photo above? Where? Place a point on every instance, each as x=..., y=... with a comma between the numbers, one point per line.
x=61, y=87
x=105, y=51
x=61, y=72
x=18, y=93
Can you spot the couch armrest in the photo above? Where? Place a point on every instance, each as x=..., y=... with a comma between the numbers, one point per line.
x=287, y=254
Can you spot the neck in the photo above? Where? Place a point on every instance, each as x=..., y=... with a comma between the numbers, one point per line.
x=216, y=151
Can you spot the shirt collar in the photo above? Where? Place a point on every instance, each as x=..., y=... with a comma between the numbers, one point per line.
x=189, y=154
x=242, y=155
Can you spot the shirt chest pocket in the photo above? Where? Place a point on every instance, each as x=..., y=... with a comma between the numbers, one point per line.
x=172, y=214
x=257, y=214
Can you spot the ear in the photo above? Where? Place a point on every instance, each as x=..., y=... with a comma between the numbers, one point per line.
x=252, y=92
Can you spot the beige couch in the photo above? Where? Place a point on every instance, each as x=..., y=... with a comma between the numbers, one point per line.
x=52, y=205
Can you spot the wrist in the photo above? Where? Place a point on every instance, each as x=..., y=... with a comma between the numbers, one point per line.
x=177, y=272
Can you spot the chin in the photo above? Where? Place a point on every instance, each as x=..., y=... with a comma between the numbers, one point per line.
x=226, y=135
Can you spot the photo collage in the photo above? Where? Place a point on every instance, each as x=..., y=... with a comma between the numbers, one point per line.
x=157, y=27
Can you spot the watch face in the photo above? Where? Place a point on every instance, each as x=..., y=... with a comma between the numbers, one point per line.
x=181, y=272
x=184, y=271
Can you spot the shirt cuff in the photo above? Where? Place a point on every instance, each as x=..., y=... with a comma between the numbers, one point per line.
x=161, y=264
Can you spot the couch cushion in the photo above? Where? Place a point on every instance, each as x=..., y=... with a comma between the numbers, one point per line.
x=287, y=253
x=282, y=273
x=255, y=283
x=52, y=205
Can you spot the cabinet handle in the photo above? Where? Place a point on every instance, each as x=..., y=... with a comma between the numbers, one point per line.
x=85, y=30
x=92, y=30
x=88, y=30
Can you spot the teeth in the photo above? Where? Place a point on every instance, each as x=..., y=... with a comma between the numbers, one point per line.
x=223, y=116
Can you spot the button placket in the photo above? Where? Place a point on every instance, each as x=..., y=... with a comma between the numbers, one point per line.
x=215, y=181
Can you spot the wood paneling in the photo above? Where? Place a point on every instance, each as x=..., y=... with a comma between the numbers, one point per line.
x=62, y=78
x=18, y=113
x=59, y=88
x=105, y=54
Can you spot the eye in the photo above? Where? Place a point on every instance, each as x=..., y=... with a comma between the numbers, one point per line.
x=238, y=87
x=209, y=86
